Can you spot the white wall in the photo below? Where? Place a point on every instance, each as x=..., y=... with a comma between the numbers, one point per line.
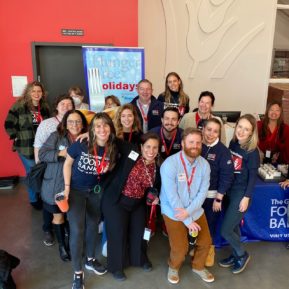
x=220, y=45
x=281, y=37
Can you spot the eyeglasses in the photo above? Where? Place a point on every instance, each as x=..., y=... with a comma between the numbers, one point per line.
x=74, y=122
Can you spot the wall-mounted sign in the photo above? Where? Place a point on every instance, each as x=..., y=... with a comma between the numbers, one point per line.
x=112, y=70
x=72, y=32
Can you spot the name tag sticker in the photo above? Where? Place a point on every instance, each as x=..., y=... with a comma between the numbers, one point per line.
x=181, y=177
x=155, y=112
x=268, y=154
x=133, y=155
x=163, y=149
x=147, y=234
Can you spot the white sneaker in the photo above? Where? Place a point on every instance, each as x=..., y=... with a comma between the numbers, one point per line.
x=205, y=275
x=173, y=276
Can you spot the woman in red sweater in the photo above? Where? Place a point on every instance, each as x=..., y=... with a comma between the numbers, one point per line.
x=274, y=135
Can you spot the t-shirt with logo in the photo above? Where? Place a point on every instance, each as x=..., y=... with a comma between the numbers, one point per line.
x=84, y=174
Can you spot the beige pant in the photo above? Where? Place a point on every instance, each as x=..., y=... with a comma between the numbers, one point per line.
x=178, y=238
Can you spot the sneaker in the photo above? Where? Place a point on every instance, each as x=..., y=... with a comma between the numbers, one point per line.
x=173, y=276
x=48, y=239
x=78, y=281
x=227, y=262
x=205, y=275
x=119, y=275
x=95, y=266
x=147, y=266
x=241, y=263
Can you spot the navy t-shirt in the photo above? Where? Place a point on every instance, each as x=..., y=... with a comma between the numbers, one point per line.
x=84, y=174
x=246, y=166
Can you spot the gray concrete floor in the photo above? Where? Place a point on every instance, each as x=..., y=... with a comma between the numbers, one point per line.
x=41, y=268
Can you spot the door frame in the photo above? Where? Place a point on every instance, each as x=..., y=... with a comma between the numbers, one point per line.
x=34, y=46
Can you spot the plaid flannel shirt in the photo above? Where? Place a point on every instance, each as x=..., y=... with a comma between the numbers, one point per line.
x=19, y=127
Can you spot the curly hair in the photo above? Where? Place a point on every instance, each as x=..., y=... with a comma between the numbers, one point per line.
x=26, y=95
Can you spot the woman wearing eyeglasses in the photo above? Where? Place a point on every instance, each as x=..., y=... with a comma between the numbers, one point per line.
x=54, y=152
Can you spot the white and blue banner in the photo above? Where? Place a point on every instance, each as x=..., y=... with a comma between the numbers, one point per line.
x=112, y=70
x=267, y=217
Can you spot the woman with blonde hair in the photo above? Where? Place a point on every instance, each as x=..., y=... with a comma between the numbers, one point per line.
x=245, y=156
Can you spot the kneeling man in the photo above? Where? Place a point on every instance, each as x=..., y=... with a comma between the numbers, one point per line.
x=185, y=183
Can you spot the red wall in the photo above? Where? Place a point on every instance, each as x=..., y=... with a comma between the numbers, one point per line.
x=23, y=22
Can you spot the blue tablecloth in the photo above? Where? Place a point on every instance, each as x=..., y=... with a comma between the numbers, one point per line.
x=266, y=218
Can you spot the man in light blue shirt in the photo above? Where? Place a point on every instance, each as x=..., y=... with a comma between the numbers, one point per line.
x=185, y=183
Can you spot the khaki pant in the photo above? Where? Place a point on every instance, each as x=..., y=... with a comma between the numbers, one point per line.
x=178, y=238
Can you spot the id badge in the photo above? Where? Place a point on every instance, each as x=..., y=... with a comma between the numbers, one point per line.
x=147, y=234
x=133, y=155
x=181, y=177
x=268, y=154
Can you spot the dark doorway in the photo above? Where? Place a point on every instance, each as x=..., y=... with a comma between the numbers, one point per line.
x=58, y=66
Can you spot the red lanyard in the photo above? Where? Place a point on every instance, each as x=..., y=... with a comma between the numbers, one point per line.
x=99, y=168
x=189, y=180
x=38, y=117
x=272, y=138
x=164, y=142
x=144, y=116
x=197, y=118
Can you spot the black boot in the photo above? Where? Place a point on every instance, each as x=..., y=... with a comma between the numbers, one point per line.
x=60, y=235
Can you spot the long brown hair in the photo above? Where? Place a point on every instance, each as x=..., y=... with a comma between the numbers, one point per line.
x=265, y=122
x=183, y=98
x=26, y=95
x=136, y=126
x=111, y=143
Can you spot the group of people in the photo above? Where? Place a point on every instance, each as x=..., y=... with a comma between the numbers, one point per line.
x=153, y=151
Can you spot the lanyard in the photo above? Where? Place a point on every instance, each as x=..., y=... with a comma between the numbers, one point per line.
x=197, y=119
x=189, y=180
x=151, y=179
x=98, y=167
x=272, y=139
x=144, y=116
x=164, y=142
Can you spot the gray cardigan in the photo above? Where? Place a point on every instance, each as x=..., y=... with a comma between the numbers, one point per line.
x=53, y=181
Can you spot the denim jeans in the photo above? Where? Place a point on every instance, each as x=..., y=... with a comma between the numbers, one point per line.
x=28, y=164
x=230, y=230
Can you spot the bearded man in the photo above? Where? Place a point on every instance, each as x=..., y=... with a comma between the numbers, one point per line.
x=185, y=183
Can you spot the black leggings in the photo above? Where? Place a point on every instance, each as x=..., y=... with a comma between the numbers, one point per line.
x=83, y=216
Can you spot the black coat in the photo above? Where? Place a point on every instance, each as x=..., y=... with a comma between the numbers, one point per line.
x=115, y=182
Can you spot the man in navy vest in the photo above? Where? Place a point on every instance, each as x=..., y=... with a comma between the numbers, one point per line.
x=169, y=132
x=148, y=108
